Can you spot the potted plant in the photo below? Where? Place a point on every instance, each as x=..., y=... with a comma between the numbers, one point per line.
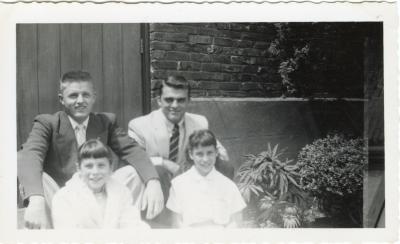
x=271, y=188
x=332, y=170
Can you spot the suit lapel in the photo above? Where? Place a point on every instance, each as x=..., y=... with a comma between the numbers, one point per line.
x=188, y=125
x=95, y=129
x=65, y=140
x=161, y=134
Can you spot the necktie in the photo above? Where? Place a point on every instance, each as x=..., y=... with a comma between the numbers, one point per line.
x=174, y=144
x=80, y=134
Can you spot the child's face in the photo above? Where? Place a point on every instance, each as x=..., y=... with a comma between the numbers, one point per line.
x=204, y=158
x=95, y=172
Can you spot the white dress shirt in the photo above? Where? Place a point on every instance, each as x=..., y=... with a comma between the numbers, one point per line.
x=204, y=199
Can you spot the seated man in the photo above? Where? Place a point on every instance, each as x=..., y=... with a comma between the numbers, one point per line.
x=49, y=156
x=164, y=133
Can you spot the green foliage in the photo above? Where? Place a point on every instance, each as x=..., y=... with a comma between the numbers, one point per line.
x=270, y=185
x=332, y=169
x=291, y=59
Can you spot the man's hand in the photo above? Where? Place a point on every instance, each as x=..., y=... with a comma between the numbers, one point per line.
x=153, y=199
x=35, y=214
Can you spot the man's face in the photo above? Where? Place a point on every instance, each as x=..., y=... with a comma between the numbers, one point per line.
x=95, y=172
x=173, y=103
x=78, y=99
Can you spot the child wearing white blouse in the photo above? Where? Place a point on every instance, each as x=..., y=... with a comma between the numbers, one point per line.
x=203, y=197
x=93, y=199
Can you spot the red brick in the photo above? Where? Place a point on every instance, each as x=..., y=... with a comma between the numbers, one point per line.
x=262, y=45
x=251, y=69
x=213, y=49
x=169, y=37
x=252, y=52
x=178, y=28
x=253, y=36
x=232, y=51
x=243, y=60
x=229, y=86
x=246, y=86
x=159, y=45
x=223, y=59
x=211, y=67
x=159, y=74
x=208, y=31
x=184, y=47
x=200, y=48
x=157, y=54
x=200, y=39
x=199, y=57
x=243, y=43
x=188, y=65
x=179, y=56
x=231, y=68
x=230, y=34
x=164, y=65
x=223, y=42
x=208, y=85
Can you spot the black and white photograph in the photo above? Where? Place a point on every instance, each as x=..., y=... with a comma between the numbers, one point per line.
x=177, y=124
x=253, y=125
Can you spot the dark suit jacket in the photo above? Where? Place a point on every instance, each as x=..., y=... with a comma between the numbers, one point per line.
x=51, y=147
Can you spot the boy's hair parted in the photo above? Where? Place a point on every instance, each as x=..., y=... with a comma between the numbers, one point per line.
x=74, y=76
x=93, y=148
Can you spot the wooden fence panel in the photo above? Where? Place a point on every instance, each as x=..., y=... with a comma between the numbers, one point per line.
x=71, y=47
x=48, y=67
x=133, y=96
x=27, y=86
x=92, y=58
x=112, y=67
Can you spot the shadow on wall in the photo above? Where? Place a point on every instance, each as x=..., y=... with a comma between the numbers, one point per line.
x=246, y=127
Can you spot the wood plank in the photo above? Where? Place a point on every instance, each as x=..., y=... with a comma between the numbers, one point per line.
x=133, y=97
x=48, y=67
x=374, y=197
x=113, y=69
x=92, y=59
x=27, y=86
x=71, y=47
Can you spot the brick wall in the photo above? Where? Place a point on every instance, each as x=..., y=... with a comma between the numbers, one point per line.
x=237, y=60
x=220, y=59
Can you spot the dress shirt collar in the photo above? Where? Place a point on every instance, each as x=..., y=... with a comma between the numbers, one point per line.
x=74, y=123
x=170, y=125
x=198, y=177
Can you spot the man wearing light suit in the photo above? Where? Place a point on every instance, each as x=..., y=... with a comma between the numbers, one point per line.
x=49, y=156
x=164, y=132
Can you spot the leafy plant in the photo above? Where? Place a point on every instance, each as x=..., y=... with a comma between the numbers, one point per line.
x=332, y=170
x=290, y=65
x=271, y=188
x=291, y=59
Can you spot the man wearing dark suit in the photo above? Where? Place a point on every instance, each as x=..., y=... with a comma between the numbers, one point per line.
x=48, y=158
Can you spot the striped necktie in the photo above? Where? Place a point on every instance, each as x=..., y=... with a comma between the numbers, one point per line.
x=174, y=144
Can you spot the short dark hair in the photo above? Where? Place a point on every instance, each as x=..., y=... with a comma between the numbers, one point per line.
x=74, y=76
x=93, y=148
x=175, y=81
x=202, y=138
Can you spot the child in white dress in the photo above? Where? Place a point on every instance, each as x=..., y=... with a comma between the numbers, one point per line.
x=203, y=197
x=91, y=198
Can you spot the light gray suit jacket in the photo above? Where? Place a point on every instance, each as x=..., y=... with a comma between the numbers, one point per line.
x=151, y=132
